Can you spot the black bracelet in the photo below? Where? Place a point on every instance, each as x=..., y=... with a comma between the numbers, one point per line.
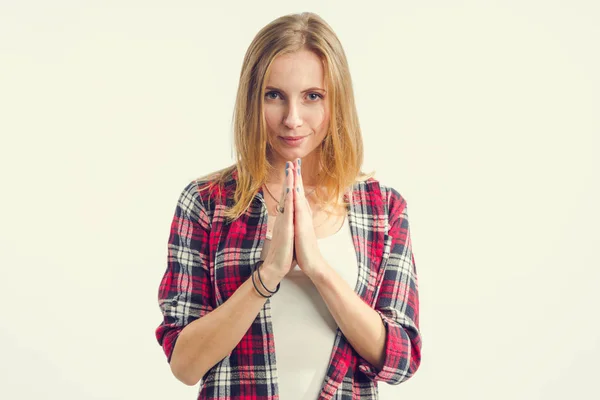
x=254, y=283
x=258, y=264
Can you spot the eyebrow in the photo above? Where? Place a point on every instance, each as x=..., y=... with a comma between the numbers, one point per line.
x=314, y=88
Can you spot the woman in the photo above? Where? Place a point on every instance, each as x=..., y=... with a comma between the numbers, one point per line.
x=306, y=289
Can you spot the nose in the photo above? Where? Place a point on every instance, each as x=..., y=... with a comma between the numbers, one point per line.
x=292, y=118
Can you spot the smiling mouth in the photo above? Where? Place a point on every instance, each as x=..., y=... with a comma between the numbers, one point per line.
x=293, y=141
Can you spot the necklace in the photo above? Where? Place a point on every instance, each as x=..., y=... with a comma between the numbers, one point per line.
x=277, y=205
x=277, y=201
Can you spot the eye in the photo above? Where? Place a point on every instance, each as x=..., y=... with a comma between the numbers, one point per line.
x=319, y=95
x=270, y=93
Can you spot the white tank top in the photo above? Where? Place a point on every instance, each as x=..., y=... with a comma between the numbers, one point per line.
x=303, y=328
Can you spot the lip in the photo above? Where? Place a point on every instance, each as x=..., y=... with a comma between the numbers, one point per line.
x=292, y=137
x=292, y=140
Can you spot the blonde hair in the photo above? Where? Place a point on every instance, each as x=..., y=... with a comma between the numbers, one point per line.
x=341, y=151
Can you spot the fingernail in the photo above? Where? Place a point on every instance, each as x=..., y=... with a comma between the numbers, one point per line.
x=287, y=164
x=298, y=189
x=298, y=171
x=286, y=172
x=288, y=190
x=299, y=161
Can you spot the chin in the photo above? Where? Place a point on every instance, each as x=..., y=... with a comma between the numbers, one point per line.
x=292, y=154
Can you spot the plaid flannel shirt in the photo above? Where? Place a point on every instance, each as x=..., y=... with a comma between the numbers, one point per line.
x=208, y=259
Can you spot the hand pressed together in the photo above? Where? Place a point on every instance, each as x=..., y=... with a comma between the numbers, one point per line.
x=306, y=246
x=293, y=233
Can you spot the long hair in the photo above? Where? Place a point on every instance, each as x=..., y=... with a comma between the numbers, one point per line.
x=341, y=151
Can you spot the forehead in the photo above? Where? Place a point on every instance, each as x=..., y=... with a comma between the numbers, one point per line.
x=295, y=71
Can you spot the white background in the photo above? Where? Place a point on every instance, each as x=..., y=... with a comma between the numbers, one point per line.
x=484, y=115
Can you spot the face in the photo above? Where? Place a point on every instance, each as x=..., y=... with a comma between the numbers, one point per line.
x=295, y=105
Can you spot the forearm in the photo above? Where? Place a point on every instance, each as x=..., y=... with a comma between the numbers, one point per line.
x=359, y=323
x=207, y=340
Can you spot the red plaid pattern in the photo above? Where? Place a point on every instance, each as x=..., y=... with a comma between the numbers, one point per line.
x=208, y=259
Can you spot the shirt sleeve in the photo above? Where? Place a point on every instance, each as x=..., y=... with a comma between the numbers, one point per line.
x=398, y=305
x=185, y=291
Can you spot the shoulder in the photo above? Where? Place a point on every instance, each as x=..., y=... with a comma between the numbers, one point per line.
x=191, y=205
x=393, y=201
x=199, y=197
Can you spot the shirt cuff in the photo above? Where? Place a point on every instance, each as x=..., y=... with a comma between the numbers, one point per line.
x=396, y=359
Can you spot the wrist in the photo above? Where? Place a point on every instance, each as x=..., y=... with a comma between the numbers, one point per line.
x=318, y=272
x=270, y=275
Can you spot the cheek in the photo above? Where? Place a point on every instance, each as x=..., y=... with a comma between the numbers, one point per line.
x=272, y=117
x=319, y=119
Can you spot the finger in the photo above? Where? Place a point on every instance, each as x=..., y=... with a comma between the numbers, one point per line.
x=301, y=201
x=299, y=182
x=288, y=172
x=288, y=203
